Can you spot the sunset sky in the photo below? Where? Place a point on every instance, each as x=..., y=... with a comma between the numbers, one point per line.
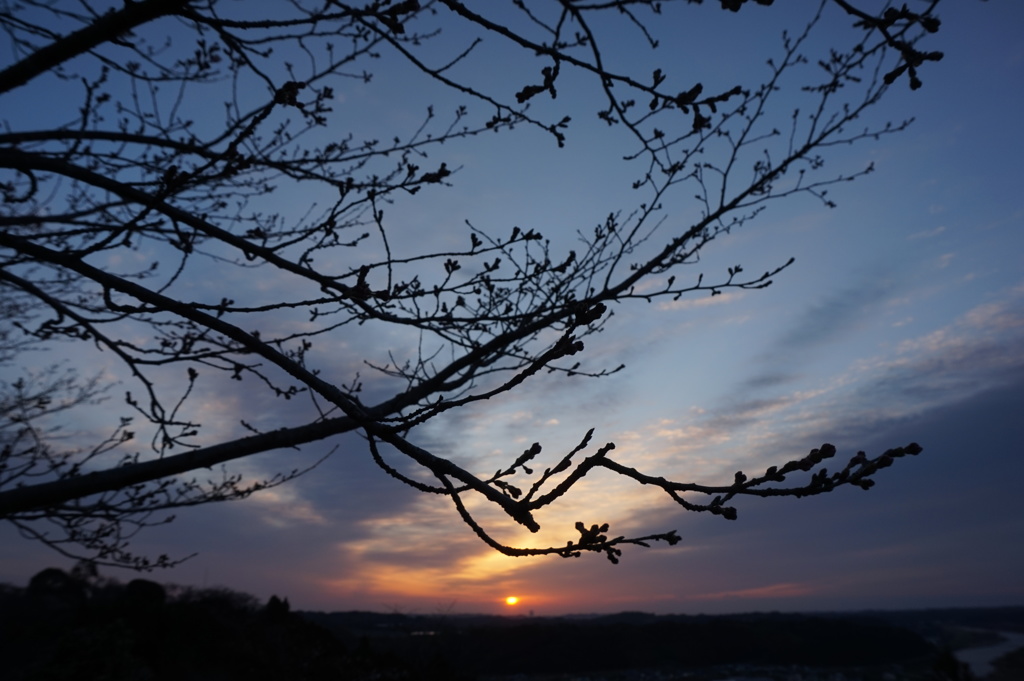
x=901, y=320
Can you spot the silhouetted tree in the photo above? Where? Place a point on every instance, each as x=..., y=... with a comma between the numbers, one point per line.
x=54, y=588
x=277, y=608
x=177, y=119
x=143, y=594
x=139, y=631
x=948, y=668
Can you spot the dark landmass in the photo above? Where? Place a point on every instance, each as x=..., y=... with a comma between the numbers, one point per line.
x=557, y=645
x=78, y=626
x=871, y=644
x=934, y=623
x=1009, y=667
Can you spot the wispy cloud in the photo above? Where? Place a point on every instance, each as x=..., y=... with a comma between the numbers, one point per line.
x=283, y=507
x=927, y=233
x=785, y=590
x=704, y=300
x=830, y=318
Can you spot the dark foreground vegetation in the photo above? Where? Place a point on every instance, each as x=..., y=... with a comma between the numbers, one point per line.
x=79, y=626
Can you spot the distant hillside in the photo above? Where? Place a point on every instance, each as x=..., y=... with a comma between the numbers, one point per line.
x=934, y=621
x=79, y=626
x=635, y=640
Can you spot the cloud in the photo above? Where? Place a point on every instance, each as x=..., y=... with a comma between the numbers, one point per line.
x=376, y=540
x=831, y=318
x=826, y=322
x=974, y=353
x=926, y=234
x=785, y=590
x=703, y=301
x=770, y=380
x=427, y=551
x=871, y=406
x=283, y=507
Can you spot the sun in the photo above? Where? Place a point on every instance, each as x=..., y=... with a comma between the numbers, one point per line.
x=511, y=600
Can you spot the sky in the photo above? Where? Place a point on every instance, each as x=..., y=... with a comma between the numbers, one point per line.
x=901, y=320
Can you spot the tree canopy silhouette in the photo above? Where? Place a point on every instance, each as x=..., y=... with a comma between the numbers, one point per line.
x=147, y=223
